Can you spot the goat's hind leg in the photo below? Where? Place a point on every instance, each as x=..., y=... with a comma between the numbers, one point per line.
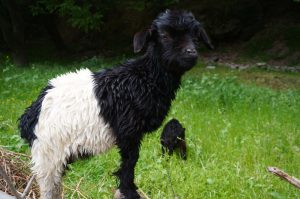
x=48, y=169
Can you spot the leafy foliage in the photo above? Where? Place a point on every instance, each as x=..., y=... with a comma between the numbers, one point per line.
x=84, y=15
x=88, y=15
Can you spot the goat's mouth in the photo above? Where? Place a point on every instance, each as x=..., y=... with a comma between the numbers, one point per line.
x=189, y=58
x=188, y=62
x=180, y=64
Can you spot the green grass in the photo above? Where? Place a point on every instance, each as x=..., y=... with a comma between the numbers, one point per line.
x=236, y=126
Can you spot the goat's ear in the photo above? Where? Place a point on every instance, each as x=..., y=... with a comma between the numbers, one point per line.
x=205, y=38
x=141, y=39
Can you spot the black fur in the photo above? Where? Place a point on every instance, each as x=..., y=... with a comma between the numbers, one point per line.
x=173, y=137
x=30, y=117
x=135, y=97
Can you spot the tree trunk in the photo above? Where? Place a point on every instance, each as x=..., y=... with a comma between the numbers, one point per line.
x=12, y=28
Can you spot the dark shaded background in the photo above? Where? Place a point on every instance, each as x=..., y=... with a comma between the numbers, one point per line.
x=266, y=30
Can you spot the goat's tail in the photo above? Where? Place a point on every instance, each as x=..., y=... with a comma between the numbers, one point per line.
x=29, y=119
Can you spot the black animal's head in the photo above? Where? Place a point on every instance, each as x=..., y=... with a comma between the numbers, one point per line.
x=174, y=35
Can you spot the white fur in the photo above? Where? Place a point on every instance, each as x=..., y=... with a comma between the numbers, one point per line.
x=69, y=124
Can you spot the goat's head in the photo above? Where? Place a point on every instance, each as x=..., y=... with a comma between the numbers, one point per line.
x=174, y=35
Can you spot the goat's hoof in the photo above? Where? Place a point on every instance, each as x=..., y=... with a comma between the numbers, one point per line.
x=119, y=195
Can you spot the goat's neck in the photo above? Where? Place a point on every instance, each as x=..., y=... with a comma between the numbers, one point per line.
x=165, y=81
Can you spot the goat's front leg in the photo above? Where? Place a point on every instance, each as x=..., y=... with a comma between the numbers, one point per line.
x=129, y=151
x=182, y=149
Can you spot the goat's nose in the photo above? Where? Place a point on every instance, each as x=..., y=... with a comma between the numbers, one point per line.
x=191, y=51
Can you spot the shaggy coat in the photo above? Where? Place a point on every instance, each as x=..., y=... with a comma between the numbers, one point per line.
x=173, y=137
x=88, y=112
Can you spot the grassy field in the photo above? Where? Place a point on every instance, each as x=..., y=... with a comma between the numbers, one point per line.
x=237, y=124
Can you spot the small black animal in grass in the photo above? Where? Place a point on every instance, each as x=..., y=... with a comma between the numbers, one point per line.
x=173, y=138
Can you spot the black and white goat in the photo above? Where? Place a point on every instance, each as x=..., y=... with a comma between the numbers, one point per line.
x=88, y=112
x=173, y=138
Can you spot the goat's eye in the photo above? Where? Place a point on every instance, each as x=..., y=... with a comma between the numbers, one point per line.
x=164, y=35
x=196, y=40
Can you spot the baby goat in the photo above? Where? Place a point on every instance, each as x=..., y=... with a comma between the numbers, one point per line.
x=173, y=137
x=88, y=112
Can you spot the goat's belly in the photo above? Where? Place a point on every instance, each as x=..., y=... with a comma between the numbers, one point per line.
x=70, y=120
